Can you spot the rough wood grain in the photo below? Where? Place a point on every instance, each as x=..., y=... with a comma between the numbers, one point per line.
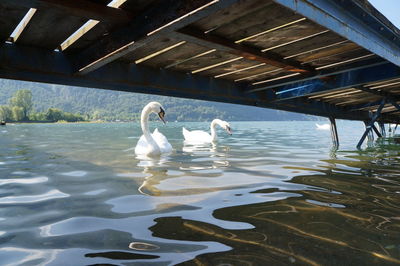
x=10, y=16
x=48, y=29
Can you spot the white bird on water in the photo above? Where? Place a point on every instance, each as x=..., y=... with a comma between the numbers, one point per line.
x=152, y=144
x=200, y=136
x=323, y=126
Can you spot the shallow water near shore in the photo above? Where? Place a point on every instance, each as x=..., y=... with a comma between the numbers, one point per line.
x=273, y=193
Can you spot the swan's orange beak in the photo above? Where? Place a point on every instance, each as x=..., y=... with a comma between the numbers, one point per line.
x=161, y=115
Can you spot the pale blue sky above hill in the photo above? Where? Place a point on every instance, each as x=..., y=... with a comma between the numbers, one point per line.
x=390, y=9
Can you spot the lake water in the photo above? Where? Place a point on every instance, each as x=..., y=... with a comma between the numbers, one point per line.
x=273, y=193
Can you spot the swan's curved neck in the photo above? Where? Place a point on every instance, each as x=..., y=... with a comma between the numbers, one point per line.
x=144, y=119
x=213, y=126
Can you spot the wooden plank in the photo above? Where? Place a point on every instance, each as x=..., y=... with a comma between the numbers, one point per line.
x=22, y=25
x=149, y=49
x=82, y=9
x=10, y=16
x=105, y=28
x=357, y=101
x=194, y=35
x=349, y=20
x=266, y=17
x=373, y=84
x=229, y=15
x=267, y=75
x=229, y=67
x=286, y=35
x=347, y=93
x=346, y=97
x=254, y=73
x=337, y=50
x=204, y=61
x=342, y=59
x=320, y=96
x=312, y=45
x=325, y=74
x=352, y=100
x=165, y=18
x=280, y=75
x=388, y=93
x=172, y=57
x=49, y=29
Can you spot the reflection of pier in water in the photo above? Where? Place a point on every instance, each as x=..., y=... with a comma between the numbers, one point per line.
x=337, y=206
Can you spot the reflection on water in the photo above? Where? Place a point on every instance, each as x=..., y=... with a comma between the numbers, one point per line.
x=275, y=193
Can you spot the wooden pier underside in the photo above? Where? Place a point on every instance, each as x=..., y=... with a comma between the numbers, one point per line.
x=331, y=58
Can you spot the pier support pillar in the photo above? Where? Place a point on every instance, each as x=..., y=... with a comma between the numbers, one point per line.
x=335, y=136
x=378, y=133
x=370, y=125
x=382, y=129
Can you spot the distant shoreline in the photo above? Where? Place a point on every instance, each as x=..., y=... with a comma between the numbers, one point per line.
x=120, y=122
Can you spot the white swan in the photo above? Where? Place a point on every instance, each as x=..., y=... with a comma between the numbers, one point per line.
x=156, y=143
x=199, y=136
x=323, y=126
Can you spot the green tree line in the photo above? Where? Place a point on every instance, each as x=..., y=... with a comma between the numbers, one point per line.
x=109, y=105
x=20, y=109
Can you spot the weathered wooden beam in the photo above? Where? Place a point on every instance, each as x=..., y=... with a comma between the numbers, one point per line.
x=193, y=35
x=164, y=18
x=337, y=82
x=364, y=105
x=321, y=74
x=379, y=93
x=41, y=65
x=81, y=8
x=352, y=21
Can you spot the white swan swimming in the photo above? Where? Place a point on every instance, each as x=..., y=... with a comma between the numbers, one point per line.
x=200, y=136
x=323, y=126
x=156, y=143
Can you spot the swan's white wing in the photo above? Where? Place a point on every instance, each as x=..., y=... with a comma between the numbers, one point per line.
x=161, y=141
x=196, y=136
x=186, y=133
x=142, y=146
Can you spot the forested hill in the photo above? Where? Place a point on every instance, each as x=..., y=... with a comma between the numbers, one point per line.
x=113, y=105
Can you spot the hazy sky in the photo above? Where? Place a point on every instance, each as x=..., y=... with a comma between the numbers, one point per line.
x=389, y=8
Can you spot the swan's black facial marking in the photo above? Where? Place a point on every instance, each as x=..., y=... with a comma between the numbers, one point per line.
x=229, y=130
x=161, y=115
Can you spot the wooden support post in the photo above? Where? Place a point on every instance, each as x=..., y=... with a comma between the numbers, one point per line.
x=370, y=125
x=377, y=131
x=335, y=136
x=370, y=135
x=382, y=129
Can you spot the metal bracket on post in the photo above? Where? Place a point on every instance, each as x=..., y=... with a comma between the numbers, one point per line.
x=335, y=136
x=370, y=125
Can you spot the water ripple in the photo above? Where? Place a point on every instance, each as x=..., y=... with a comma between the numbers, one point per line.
x=268, y=195
x=50, y=195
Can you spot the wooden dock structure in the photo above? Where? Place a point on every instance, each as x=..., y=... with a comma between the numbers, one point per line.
x=332, y=58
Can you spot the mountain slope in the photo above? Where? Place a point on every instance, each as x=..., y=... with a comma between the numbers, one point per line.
x=112, y=105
